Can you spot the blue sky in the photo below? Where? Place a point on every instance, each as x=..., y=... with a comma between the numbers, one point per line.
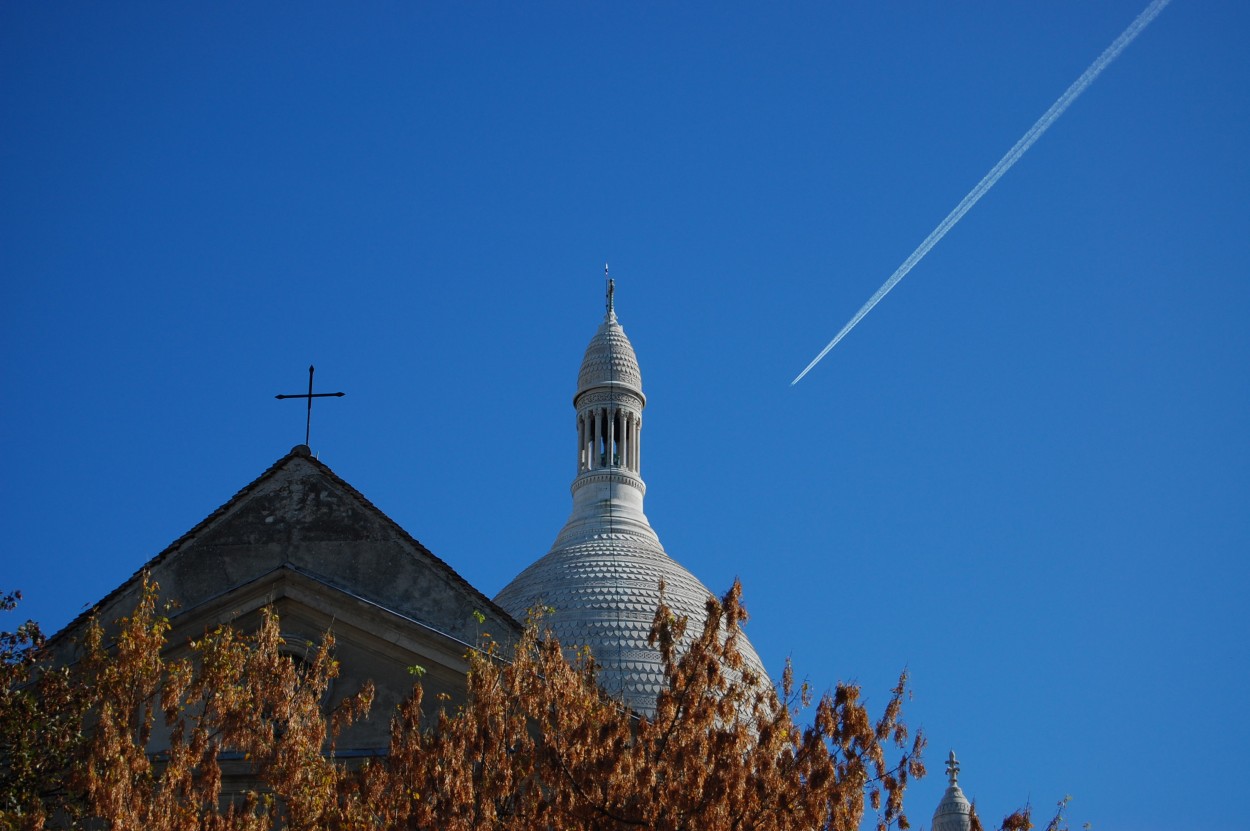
x=1024, y=476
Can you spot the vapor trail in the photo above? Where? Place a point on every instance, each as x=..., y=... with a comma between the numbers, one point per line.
x=996, y=172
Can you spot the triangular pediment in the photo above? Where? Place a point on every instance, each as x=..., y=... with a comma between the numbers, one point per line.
x=300, y=517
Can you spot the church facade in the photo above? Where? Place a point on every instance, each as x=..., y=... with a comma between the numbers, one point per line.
x=301, y=540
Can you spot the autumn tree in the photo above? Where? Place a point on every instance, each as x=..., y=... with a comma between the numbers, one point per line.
x=138, y=739
x=238, y=694
x=539, y=746
x=42, y=717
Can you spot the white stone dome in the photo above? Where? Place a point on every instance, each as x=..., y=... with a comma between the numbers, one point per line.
x=609, y=360
x=603, y=573
x=605, y=589
x=954, y=812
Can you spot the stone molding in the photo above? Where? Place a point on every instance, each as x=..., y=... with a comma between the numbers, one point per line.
x=607, y=474
x=620, y=397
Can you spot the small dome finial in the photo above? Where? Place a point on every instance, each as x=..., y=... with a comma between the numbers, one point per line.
x=952, y=768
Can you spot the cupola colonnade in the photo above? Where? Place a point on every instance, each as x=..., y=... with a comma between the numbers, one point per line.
x=608, y=436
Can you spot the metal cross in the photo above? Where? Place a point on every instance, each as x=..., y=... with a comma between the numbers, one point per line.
x=310, y=396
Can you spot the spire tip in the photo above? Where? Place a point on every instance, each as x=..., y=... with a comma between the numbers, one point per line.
x=611, y=301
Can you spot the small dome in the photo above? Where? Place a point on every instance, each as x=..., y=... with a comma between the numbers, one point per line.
x=954, y=813
x=609, y=360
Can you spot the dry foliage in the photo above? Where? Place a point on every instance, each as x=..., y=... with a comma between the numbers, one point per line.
x=129, y=739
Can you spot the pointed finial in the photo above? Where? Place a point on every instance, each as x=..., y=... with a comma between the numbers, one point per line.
x=611, y=291
x=952, y=768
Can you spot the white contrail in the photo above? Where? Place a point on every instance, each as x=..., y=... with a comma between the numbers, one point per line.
x=996, y=172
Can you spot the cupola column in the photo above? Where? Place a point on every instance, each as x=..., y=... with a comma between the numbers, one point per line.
x=626, y=458
x=608, y=436
x=595, y=441
x=592, y=436
x=581, y=442
x=625, y=442
x=633, y=442
x=638, y=444
x=601, y=446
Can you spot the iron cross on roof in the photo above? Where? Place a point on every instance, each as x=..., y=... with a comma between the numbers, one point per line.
x=310, y=395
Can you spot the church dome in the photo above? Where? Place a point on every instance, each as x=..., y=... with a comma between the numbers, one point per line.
x=604, y=589
x=603, y=573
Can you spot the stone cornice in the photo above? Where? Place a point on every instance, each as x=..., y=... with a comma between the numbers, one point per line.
x=607, y=474
x=614, y=394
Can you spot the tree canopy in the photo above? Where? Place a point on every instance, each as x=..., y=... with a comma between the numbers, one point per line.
x=128, y=738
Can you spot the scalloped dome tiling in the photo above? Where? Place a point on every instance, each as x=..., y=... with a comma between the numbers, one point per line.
x=609, y=359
